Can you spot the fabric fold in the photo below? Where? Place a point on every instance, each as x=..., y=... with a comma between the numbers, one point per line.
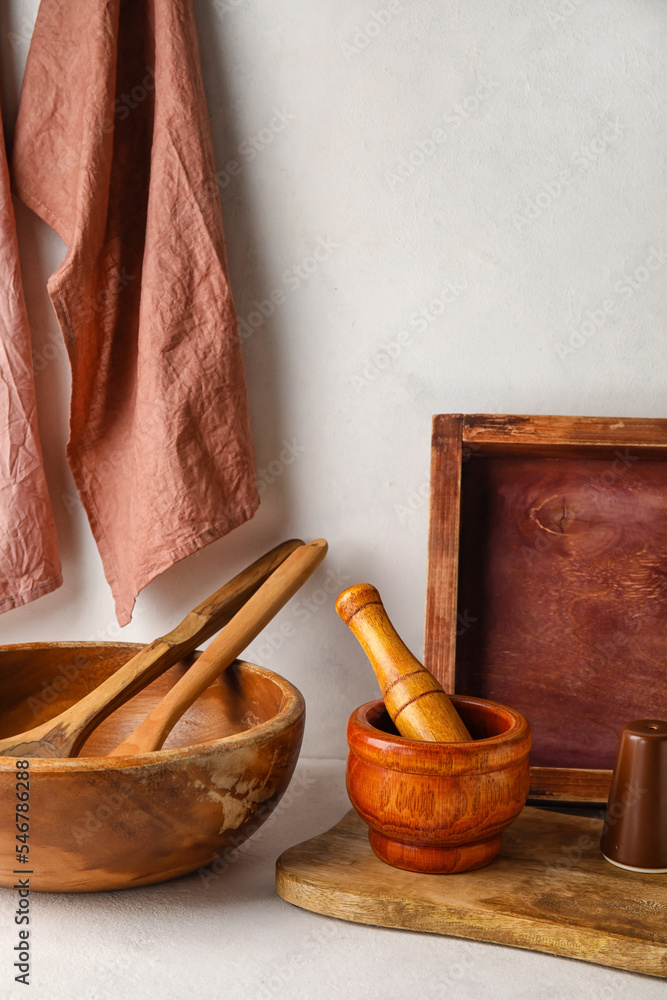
x=113, y=150
x=29, y=559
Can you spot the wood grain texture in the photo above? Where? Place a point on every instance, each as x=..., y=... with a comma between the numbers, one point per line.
x=550, y=436
x=549, y=890
x=565, y=572
x=99, y=823
x=64, y=735
x=418, y=706
x=247, y=623
x=443, y=548
x=438, y=807
x=562, y=588
x=581, y=785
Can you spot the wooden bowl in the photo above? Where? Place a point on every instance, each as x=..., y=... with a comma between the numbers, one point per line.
x=111, y=823
x=438, y=807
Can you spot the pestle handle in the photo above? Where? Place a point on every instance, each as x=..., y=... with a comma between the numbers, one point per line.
x=416, y=702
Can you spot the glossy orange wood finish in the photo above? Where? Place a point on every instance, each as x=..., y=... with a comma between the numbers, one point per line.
x=416, y=702
x=546, y=584
x=438, y=807
x=99, y=822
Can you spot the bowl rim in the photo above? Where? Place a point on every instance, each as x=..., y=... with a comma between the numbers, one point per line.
x=421, y=757
x=290, y=714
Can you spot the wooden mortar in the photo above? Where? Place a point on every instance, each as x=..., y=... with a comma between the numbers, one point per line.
x=438, y=807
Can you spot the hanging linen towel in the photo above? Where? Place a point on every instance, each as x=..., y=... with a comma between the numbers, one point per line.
x=113, y=150
x=29, y=560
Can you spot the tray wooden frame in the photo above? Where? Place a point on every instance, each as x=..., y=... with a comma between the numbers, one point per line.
x=455, y=439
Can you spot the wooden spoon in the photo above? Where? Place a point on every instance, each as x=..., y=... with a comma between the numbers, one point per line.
x=64, y=735
x=223, y=650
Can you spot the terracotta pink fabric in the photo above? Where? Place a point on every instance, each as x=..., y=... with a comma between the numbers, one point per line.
x=113, y=150
x=29, y=560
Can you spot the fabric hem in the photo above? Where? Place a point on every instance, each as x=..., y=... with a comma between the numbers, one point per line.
x=42, y=211
x=204, y=538
x=18, y=600
x=109, y=561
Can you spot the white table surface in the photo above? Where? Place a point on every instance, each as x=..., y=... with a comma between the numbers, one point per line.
x=230, y=936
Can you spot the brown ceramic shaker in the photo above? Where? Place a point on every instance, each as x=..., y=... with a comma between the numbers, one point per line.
x=634, y=835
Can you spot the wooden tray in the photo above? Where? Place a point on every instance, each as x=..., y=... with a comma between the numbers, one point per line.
x=549, y=890
x=547, y=581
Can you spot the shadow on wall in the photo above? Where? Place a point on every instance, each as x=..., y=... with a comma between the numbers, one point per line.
x=259, y=319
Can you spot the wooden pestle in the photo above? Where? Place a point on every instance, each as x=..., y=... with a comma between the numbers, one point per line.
x=417, y=704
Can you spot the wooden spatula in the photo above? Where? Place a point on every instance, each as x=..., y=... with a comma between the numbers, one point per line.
x=64, y=735
x=223, y=650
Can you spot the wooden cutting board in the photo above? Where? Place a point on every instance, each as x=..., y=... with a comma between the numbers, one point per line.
x=549, y=890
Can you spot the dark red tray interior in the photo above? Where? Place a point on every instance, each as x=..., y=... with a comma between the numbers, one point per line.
x=563, y=597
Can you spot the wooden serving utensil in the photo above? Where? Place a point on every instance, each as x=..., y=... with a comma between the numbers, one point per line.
x=223, y=650
x=419, y=707
x=64, y=735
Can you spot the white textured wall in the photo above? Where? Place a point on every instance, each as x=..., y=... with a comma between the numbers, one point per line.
x=444, y=207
